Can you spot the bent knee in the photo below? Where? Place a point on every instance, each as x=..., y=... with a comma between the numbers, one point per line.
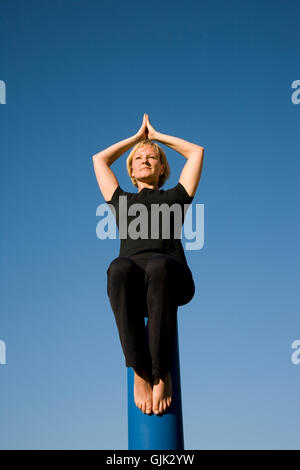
x=120, y=267
x=185, y=296
x=160, y=265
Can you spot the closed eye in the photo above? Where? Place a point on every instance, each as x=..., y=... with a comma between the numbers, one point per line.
x=151, y=156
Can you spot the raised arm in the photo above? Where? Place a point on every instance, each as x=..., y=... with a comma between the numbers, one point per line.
x=106, y=178
x=191, y=173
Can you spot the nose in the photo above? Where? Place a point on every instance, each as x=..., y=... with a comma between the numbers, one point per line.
x=145, y=161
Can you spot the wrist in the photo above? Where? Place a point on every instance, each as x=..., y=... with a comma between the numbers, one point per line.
x=134, y=139
x=157, y=136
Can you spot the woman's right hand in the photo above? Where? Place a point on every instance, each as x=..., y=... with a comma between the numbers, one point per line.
x=143, y=131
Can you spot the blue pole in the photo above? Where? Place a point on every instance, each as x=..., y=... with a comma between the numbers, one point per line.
x=157, y=432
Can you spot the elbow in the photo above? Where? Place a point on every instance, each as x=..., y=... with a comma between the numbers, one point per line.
x=198, y=152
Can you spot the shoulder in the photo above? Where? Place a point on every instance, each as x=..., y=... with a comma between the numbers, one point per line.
x=179, y=193
x=119, y=192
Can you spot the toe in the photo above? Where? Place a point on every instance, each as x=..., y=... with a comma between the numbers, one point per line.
x=148, y=407
x=155, y=407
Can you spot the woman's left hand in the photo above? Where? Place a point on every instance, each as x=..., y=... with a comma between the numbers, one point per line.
x=151, y=131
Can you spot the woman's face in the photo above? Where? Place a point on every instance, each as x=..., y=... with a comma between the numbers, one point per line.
x=146, y=166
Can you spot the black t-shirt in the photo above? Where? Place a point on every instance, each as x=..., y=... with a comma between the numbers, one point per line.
x=142, y=219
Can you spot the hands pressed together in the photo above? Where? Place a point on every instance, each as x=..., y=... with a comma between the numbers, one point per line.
x=146, y=131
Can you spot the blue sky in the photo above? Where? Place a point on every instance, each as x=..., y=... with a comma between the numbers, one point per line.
x=79, y=75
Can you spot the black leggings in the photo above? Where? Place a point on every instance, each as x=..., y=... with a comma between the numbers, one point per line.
x=148, y=284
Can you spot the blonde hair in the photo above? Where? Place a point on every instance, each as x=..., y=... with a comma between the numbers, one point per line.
x=162, y=157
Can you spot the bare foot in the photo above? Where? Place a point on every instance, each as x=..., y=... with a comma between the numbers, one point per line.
x=162, y=393
x=142, y=390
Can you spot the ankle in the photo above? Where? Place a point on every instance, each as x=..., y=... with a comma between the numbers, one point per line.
x=162, y=377
x=142, y=373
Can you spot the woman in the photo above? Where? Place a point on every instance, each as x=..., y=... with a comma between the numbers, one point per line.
x=150, y=277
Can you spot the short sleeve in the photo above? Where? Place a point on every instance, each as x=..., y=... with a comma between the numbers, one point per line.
x=118, y=191
x=184, y=197
x=113, y=204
